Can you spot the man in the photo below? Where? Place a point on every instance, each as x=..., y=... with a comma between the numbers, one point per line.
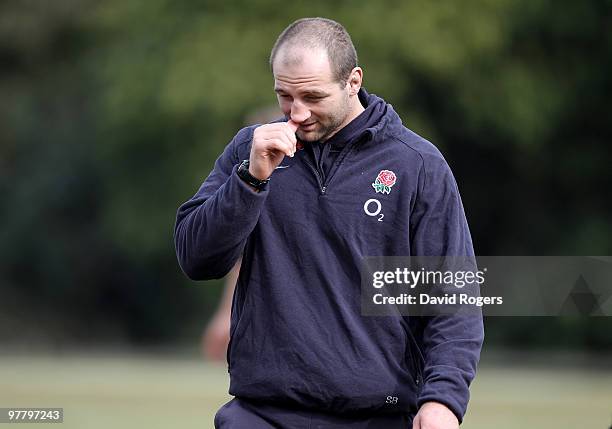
x=215, y=337
x=291, y=198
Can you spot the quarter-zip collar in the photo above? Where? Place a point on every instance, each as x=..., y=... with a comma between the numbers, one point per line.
x=323, y=155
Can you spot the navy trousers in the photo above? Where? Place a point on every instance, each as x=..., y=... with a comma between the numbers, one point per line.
x=242, y=414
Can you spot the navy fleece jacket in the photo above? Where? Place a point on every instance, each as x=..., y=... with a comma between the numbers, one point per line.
x=297, y=335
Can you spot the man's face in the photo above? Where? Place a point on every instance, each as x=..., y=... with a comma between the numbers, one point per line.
x=309, y=95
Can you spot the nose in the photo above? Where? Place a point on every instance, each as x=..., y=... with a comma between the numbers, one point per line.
x=299, y=112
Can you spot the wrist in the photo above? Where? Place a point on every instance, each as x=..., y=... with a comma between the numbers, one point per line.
x=255, y=173
x=439, y=408
x=245, y=174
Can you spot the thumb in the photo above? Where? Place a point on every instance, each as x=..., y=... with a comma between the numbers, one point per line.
x=416, y=424
x=292, y=125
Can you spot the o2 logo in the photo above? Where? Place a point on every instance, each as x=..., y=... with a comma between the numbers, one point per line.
x=373, y=208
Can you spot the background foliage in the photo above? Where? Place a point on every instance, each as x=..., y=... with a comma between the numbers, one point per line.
x=113, y=112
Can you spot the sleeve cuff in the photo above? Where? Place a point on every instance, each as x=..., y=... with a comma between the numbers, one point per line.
x=446, y=392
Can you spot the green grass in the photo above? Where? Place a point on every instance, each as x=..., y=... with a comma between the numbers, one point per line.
x=146, y=392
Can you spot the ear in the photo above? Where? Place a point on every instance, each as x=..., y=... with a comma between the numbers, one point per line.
x=355, y=80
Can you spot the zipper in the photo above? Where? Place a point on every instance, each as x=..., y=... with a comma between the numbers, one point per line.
x=317, y=174
x=418, y=361
x=332, y=172
x=334, y=169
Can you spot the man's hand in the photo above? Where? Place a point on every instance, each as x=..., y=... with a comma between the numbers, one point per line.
x=433, y=415
x=271, y=142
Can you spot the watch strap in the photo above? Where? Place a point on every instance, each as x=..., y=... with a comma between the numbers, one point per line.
x=246, y=176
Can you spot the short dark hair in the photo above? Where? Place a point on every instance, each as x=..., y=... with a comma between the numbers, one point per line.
x=321, y=33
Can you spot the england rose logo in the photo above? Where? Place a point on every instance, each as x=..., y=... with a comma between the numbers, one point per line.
x=384, y=182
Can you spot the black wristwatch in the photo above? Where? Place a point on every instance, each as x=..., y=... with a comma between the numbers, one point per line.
x=245, y=175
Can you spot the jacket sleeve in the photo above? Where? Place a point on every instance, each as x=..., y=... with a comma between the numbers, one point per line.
x=450, y=344
x=212, y=227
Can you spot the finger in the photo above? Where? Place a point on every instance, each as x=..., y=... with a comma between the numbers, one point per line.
x=290, y=135
x=292, y=125
x=281, y=145
x=287, y=128
x=280, y=134
x=285, y=137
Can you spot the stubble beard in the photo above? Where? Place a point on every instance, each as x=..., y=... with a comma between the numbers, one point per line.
x=327, y=129
x=322, y=133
